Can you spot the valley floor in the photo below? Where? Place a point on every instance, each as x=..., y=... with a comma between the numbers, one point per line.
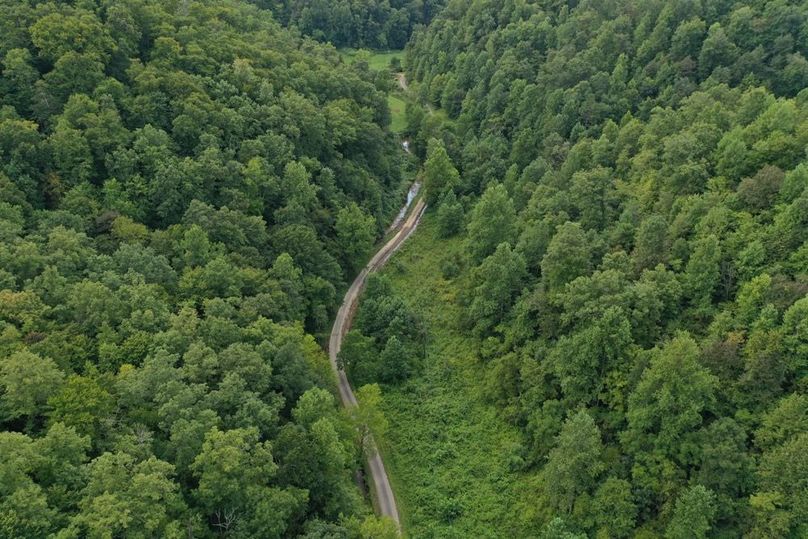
x=449, y=452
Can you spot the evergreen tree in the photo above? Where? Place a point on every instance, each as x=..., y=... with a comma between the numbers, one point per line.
x=492, y=221
x=440, y=175
x=574, y=464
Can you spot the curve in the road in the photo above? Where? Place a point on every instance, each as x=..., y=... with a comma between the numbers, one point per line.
x=381, y=482
x=402, y=81
x=401, y=78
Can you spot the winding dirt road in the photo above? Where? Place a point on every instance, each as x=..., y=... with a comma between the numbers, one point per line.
x=401, y=78
x=381, y=483
x=402, y=81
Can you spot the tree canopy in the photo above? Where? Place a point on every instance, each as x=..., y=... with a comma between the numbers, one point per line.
x=375, y=24
x=183, y=188
x=635, y=279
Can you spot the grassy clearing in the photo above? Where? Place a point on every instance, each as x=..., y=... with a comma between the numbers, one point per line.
x=379, y=60
x=448, y=451
x=398, y=114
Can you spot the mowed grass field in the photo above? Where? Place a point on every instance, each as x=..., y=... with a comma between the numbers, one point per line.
x=448, y=451
x=398, y=113
x=377, y=59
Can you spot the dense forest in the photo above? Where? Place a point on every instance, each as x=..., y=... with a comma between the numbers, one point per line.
x=605, y=323
x=630, y=182
x=376, y=24
x=184, y=188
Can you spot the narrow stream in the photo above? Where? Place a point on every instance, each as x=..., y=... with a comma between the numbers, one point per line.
x=411, y=194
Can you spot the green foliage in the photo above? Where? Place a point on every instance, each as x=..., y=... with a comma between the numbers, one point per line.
x=653, y=158
x=495, y=285
x=395, y=362
x=693, y=514
x=378, y=60
x=355, y=234
x=55, y=34
x=786, y=420
x=450, y=215
x=398, y=114
x=568, y=256
x=374, y=24
x=82, y=403
x=491, y=222
x=26, y=513
x=664, y=410
x=369, y=417
x=703, y=272
x=615, y=513
x=574, y=463
x=230, y=462
x=557, y=527
x=28, y=381
x=439, y=419
x=650, y=243
x=779, y=504
x=386, y=345
x=359, y=356
x=124, y=496
x=585, y=360
x=440, y=175
x=183, y=188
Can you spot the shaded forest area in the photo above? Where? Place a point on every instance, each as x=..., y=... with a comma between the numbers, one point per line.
x=373, y=24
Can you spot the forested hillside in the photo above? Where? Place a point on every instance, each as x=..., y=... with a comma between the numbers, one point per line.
x=376, y=24
x=601, y=329
x=631, y=185
x=184, y=187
